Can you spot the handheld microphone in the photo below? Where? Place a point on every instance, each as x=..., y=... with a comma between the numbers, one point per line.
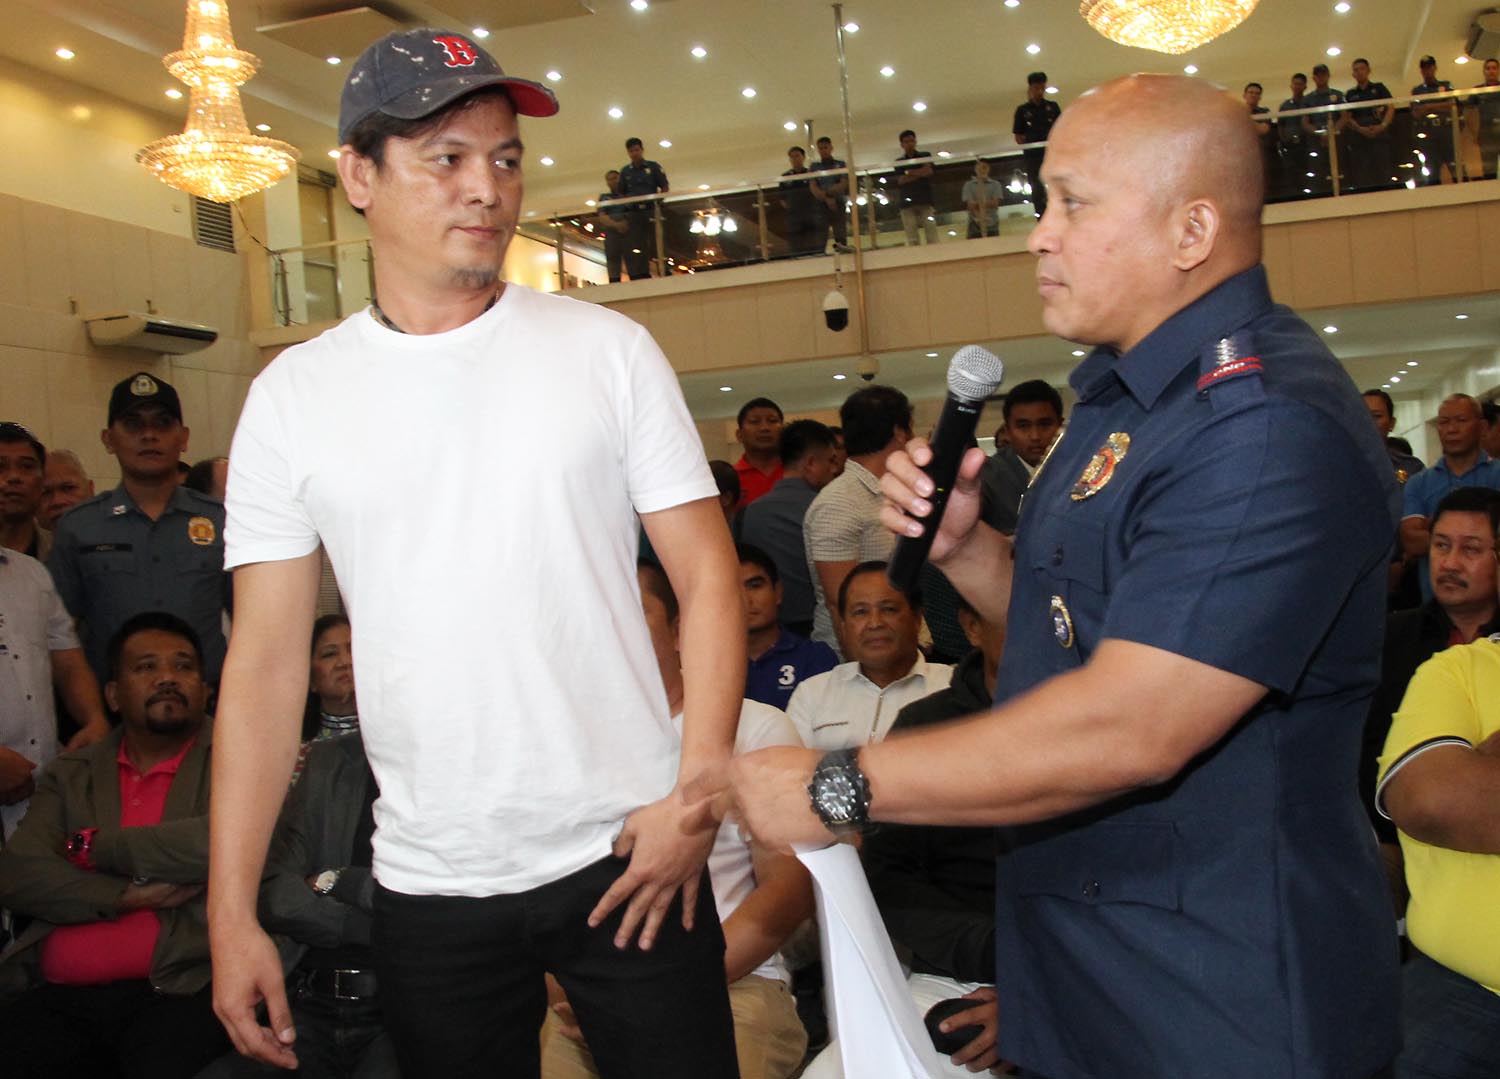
x=973, y=375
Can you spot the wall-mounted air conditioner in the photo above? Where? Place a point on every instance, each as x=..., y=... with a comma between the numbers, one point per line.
x=131, y=329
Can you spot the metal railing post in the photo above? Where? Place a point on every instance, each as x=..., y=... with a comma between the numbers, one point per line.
x=760, y=220
x=661, y=250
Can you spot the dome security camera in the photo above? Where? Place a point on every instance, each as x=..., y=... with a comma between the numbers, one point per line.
x=867, y=368
x=836, y=310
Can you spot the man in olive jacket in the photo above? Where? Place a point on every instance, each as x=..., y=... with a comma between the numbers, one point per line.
x=107, y=871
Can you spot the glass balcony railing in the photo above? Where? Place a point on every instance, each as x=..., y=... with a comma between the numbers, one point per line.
x=1326, y=152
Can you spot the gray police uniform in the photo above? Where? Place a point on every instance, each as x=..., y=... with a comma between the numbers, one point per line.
x=1219, y=493
x=110, y=561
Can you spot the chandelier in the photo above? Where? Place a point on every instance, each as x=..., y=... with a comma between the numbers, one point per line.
x=216, y=157
x=1170, y=26
x=711, y=222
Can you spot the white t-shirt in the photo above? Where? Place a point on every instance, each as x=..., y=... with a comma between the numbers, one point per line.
x=476, y=492
x=730, y=867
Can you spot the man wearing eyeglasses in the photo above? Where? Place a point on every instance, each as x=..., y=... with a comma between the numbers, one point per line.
x=149, y=544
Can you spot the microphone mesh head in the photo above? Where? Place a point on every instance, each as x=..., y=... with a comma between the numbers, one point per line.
x=974, y=373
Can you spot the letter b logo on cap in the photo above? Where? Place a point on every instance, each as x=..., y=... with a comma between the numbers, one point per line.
x=460, y=52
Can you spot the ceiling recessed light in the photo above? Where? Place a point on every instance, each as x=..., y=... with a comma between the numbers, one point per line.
x=944, y=153
x=263, y=127
x=1012, y=3
x=725, y=389
x=1333, y=50
x=554, y=75
x=1460, y=59
x=1395, y=379
x=1079, y=352
x=548, y=161
x=839, y=378
x=952, y=233
x=334, y=60
x=480, y=32
x=64, y=54
x=615, y=112
x=1460, y=317
x=1385, y=385
x=333, y=154
x=702, y=187
x=1033, y=48
x=919, y=106
x=699, y=51
x=1191, y=69
x=639, y=5
x=748, y=91
x=1342, y=7
x=590, y=202
x=1330, y=329
x=790, y=125
x=665, y=144
x=851, y=27
x=1051, y=89
x=1412, y=363
x=887, y=71
x=932, y=355
x=174, y=93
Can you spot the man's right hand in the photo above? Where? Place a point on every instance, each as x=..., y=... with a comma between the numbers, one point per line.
x=246, y=972
x=16, y=780
x=907, y=488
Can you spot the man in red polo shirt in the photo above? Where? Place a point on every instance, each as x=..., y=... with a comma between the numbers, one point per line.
x=109, y=864
x=758, y=429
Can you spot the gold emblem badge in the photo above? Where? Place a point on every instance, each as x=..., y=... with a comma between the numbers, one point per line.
x=201, y=531
x=1401, y=475
x=1101, y=467
x=1062, y=622
x=144, y=385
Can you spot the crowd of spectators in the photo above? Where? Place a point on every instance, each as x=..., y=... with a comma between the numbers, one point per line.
x=120, y=599
x=1378, y=147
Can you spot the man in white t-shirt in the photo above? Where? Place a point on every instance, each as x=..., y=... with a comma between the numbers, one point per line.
x=855, y=703
x=761, y=895
x=530, y=815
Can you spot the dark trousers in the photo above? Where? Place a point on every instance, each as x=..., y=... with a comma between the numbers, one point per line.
x=124, y=1029
x=461, y=983
x=614, y=252
x=1438, y=150
x=1367, y=164
x=336, y=1039
x=640, y=244
x=838, y=218
x=1034, y=159
x=806, y=233
x=1450, y=1025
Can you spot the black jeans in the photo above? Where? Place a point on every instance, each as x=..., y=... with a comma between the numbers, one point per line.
x=336, y=1039
x=461, y=983
x=119, y=1029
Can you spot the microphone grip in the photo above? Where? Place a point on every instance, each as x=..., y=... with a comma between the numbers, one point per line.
x=951, y=439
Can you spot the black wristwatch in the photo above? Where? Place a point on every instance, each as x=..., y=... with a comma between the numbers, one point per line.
x=840, y=793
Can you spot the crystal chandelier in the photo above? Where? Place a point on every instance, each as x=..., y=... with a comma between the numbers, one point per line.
x=215, y=157
x=1170, y=26
x=711, y=222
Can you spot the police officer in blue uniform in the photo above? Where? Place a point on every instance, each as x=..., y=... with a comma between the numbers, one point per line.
x=149, y=544
x=1187, y=885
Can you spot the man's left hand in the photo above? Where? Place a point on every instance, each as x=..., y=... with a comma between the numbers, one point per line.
x=668, y=843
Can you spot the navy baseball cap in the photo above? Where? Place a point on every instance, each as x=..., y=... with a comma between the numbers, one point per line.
x=414, y=73
x=139, y=390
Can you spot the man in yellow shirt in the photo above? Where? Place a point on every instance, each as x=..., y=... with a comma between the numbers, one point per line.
x=1440, y=783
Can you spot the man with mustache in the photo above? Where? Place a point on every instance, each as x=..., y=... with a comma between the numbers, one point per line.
x=110, y=863
x=1461, y=566
x=150, y=544
x=1186, y=882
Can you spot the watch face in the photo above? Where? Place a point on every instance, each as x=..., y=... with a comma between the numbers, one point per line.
x=838, y=796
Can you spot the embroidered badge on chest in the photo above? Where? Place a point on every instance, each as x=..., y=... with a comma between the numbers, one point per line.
x=201, y=531
x=1101, y=467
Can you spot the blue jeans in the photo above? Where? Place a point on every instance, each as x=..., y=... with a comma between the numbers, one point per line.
x=1450, y=1025
x=461, y=982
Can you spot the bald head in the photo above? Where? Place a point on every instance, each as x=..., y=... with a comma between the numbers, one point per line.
x=1154, y=194
x=1192, y=138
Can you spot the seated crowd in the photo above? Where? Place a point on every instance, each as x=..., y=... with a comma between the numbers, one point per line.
x=104, y=850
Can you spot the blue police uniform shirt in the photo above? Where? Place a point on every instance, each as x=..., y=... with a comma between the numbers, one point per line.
x=1423, y=492
x=1235, y=920
x=791, y=660
x=110, y=561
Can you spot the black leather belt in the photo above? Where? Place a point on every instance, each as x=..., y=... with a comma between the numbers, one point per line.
x=340, y=984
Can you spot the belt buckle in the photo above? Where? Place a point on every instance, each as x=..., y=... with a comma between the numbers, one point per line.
x=338, y=985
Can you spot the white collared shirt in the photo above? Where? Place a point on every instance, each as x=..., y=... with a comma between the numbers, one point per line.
x=842, y=708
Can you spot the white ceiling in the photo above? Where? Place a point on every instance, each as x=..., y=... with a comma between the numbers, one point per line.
x=966, y=59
